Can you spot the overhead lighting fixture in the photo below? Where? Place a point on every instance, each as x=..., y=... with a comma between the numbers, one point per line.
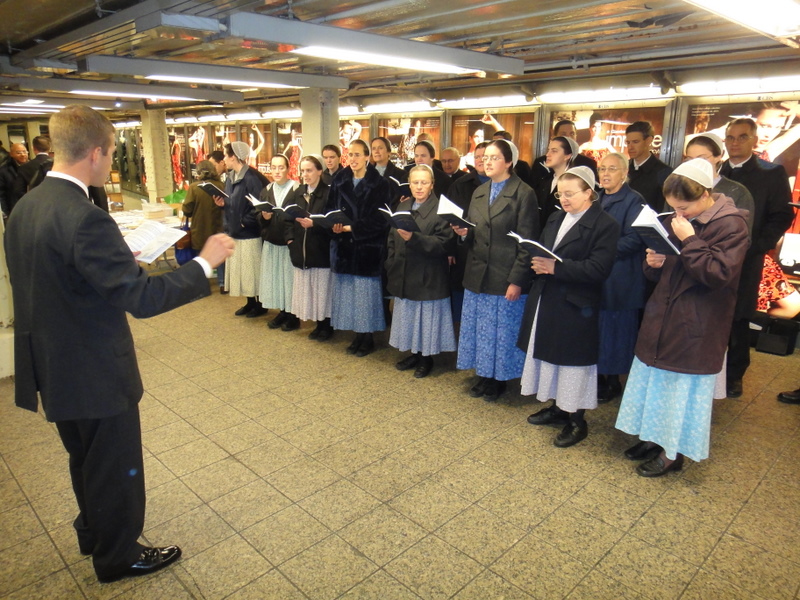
x=778, y=19
x=24, y=111
x=37, y=104
x=282, y=114
x=348, y=111
x=205, y=118
x=490, y=102
x=250, y=85
x=726, y=87
x=386, y=60
x=152, y=96
x=244, y=116
x=337, y=44
x=399, y=107
x=127, y=124
x=605, y=95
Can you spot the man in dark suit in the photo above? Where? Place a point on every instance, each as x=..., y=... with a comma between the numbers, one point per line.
x=33, y=171
x=646, y=174
x=73, y=280
x=769, y=186
x=451, y=164
x=12, y=187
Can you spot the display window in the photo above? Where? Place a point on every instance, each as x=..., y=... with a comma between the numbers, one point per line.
x=405, y=131
x=469, y=130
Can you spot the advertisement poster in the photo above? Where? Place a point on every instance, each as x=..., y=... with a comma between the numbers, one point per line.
x=470, y=130
x=603, y=131
x=290, y=144
x=198, y=147
x=352, y=129
x=177, y=144
x=258, y=136
x=405, y=132
x=778, y=131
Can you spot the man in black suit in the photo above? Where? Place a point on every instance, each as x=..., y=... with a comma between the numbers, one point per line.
x=12, y=187
x=646, y=174
x=769, y=186
x=73, y=280
x=451, y=164
x=33, y=171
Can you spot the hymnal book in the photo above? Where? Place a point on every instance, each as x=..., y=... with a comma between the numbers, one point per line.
x=452, y=212
x=398, y=183
x=401, y=219
x=261, y=205
x=534, y=248
x=329, y=219
x=653, y=233
x=151, y=239
x=212, y=190
x=293, y=211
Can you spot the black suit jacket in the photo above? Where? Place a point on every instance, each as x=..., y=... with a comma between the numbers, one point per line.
x=769, y=186
x=32, y=168
x=73, y=280
x=649, y=180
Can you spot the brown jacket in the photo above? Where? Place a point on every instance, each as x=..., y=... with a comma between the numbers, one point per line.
x=688, y=318
x=206, y=216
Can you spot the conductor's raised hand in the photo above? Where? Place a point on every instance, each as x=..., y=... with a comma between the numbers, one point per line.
x=216, y=249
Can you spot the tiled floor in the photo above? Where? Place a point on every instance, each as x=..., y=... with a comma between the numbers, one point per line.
x=288, y=469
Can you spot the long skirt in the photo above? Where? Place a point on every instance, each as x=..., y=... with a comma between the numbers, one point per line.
x=573, y=388
x=671, y=409
x=422, y=326
x=357, y=303
x=277, y=277
x=311, y=294
x=488, y=338
x=618, y=331
x=243, y=268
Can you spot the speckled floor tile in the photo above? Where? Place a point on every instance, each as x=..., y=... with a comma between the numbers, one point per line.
x=314, y=437
x=379, y=586
x=348, y=456
x=328, y=569
x=270, y=585
x=596, y=586
x=168, y=501
x=584, y=537
x=194, y=531
x=676, y=534
x=382, y=534
x=429, y=504
x=469, y=478
x=18, y=525
x=489, y=585
x=480, y=534
x=273, y=455
x=339, y=504
x=219, y=478
x=519, y=504
x=302, y=478
x=385, y=478
x=705, y=585
x=28, y=562
x=753, y=569
x=161, y=585
x=61, y=584
x=433, y=569
x=249, y=504
x=610, y=504
x=192, y=456
x=287, y=533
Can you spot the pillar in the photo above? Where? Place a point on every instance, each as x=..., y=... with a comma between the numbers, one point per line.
x=320, y=118
x=155, y=145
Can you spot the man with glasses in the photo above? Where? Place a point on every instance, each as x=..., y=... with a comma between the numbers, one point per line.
x=769, y=186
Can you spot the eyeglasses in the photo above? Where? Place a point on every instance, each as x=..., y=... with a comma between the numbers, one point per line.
x=741, y=139
x=608, y=169
x=567, y=195
x=493, y=158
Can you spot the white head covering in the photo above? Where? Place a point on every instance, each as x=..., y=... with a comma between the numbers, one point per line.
x=572, y=144
x=711, y=136
x=241, y=150
x=697, y=169
x=317, y=156
x=514, y=151
x=584, y=173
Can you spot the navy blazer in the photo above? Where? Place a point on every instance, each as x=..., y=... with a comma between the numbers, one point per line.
x=73, y=280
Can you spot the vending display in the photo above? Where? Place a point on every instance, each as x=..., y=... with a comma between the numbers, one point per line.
x=469, y=130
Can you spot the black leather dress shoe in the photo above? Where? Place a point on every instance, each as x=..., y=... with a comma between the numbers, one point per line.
x=353, y=347
x=734, y=388
x=409, y=362
x=476, y=391
x=244, y=310
x=552, y=415
x=257, y=312
x=611, y=391
x=365, y=347
x=493, y=390
x=792, y=397
x=150, y=561
x=643, y=451
x=291, y=324
x=325, y=334
x=279, y=320
x=424, y=367
x=656, y=467
x=571, y=434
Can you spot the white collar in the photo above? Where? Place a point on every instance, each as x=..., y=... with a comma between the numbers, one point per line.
x=77, y=182
x=636, y=165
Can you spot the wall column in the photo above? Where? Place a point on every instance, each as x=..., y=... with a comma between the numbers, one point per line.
x=157, y=162
x=320, y=118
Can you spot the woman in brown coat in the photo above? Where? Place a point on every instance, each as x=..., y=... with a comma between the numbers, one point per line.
x=199, y=205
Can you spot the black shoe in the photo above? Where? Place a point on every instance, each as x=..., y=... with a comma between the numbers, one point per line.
x=256, y=312
x=150, y=561
x=223, y=291
x=409, y=362
x=291, y=323
x=367, y=346
x=610, y=391
x=424, y=367
x=315, y=334
x=279, y=320
x=734, y=388
x=325, y=334
x=643, y=451
x=792, y=397
x=476, y=391
x=655, y=467
x=244, y=310
x=353, y=347
x=571, y=434
x=552, y=415
x=493, y=390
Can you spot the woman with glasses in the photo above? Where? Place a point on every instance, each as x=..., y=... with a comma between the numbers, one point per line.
x=561, y=152
x=417, y=268
x=277, y=275
x=559, y=332
x=624, y=290
x=357, y=250
x=496, y=274
x=309, y=248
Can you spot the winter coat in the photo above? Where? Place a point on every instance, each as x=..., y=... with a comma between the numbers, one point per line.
x=310, y=248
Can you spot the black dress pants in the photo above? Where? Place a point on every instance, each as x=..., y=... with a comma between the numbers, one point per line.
x=107, y=471
x=738, y=350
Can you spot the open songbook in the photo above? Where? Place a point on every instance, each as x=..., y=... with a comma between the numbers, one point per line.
x=401, y=219
x=329, y=219
x=653, y=233
x=533, y=247
x=398, y=183
x=452, y=212
x=151, y=239
x=212, y=190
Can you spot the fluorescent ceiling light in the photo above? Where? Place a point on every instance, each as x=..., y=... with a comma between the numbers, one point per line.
x=401, y=107
x=490, y=102
x=776, y=18
x=37, y=104
x=211, y=81
x=127, y=124
x=387, y=60
x=30, y=111
x=348, y=111
x=282, y=114
x=153, y=96
x=204, y=118
x=605, y=95
x=789, y=83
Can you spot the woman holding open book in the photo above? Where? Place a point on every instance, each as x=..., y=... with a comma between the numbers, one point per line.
x=687, y=321
x=559, y=331
x=417, y=269
x=496, y=274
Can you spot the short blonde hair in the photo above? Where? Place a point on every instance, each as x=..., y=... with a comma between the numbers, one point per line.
x=76, y=130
